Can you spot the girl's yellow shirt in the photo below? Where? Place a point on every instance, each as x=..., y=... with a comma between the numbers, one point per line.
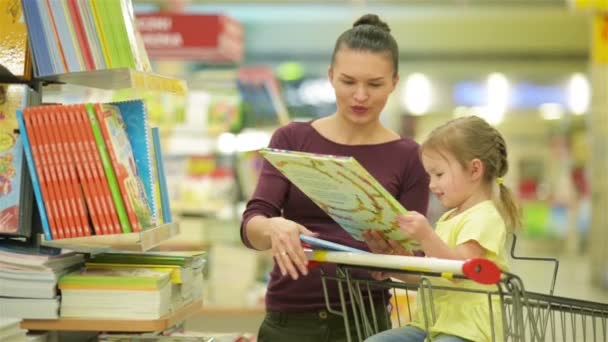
x=459, y=313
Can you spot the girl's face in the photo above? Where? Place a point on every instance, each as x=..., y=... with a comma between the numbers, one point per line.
x=451, y=183
x=362, y=80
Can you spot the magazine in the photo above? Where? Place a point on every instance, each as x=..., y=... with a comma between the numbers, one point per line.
x=343, y=189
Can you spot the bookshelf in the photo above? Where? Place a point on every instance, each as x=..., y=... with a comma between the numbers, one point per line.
x=120, y=78
x=142, y=241
x=118, y=325
x=107, y=79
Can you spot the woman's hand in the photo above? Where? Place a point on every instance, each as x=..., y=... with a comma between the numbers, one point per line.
x=286, y=248
x=415, y=225
x=377, y=244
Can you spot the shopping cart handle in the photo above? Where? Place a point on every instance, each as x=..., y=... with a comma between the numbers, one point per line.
x=483, y=271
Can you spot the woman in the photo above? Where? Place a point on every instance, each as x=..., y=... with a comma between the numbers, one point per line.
x=363, y=72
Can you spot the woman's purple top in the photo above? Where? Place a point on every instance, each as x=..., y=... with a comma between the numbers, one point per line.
x=395, y=164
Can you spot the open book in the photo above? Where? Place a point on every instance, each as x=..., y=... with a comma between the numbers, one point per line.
x=343, y=189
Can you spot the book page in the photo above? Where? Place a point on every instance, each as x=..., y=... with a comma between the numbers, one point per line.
x=343, y=189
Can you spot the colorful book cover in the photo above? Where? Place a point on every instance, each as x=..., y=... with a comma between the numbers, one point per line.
x=13, y=37
x=121, y=155
x=137, y=122
x=344, y=190
x=16, y=202
x=109, y=170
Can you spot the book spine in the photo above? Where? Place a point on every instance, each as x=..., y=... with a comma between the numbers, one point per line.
x=64, y=141
x=37, y=187
x=92, y=161
x=83, y=172
x=162, y=180
x=44, y=171
x=59, y=181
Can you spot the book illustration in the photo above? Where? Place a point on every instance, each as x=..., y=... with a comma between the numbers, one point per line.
x=16, y=202
x=13, y=38
x=344, y=190
x=121, y=153
x=137, y=125
x=110, y=174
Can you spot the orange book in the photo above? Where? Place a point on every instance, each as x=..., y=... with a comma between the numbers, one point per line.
x=83, y=172
x=44, y=176
x=78, y=204
x=57, y=179
x=97, y=168
x=71, y=190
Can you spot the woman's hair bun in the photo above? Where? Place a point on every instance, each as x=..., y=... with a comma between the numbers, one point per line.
x=374, y=20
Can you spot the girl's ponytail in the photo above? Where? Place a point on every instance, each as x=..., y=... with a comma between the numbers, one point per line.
x=510, y=211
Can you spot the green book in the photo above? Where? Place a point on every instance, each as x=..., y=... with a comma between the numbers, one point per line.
x=119, y=278
x=109, y=170
x=157, y=258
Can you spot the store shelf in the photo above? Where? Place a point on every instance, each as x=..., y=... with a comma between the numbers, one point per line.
x=120, y=78
x=7, y=77
x=122, y=325
x=141, y=241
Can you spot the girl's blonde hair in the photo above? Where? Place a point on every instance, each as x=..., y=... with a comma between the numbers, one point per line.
x=471, y=137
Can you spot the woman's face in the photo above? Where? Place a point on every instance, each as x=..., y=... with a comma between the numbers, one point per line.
x=362, y=80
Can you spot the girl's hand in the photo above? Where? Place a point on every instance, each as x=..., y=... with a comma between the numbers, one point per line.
x=415, y=225
x=286, y=248
x=377, y=244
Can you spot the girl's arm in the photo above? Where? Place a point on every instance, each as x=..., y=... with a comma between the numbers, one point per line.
x=417, y=227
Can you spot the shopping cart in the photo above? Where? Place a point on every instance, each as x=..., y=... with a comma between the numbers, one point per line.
x=515, y=314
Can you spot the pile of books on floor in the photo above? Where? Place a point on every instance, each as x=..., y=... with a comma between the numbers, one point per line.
x=135, y=286
x=10, y=330
x=28, y=279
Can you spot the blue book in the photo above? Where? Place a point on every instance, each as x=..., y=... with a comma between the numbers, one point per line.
x=162, y=180
x=46, y=229
x=317, y=243
x=137, y=124
x=37, y=39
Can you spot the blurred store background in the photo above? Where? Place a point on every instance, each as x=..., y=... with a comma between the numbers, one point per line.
x=529, y=67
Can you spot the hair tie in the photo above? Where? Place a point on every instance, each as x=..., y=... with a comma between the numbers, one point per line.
x=499, y=180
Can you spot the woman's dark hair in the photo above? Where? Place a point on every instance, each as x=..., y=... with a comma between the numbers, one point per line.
x=369, y=33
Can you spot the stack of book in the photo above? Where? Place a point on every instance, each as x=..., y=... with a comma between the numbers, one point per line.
x=96, y=168
x=10, y=330
x=133, y=285
x=28, y=279
x=83, y=35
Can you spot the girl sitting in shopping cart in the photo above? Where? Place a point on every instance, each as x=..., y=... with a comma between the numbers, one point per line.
x=466, y=160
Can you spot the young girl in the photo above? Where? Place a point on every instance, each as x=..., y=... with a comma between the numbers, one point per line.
x=466, y=160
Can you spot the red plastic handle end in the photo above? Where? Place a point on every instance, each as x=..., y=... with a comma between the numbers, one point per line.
x=483, y=271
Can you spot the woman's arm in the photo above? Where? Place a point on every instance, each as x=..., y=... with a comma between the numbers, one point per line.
x=283, y=238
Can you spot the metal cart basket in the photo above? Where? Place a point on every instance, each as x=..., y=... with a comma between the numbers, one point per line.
x=515, y=314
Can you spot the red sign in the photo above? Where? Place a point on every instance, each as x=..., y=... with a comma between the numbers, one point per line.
x=201, y=37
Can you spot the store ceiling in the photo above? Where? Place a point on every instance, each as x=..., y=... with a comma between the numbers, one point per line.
x=535, y=36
